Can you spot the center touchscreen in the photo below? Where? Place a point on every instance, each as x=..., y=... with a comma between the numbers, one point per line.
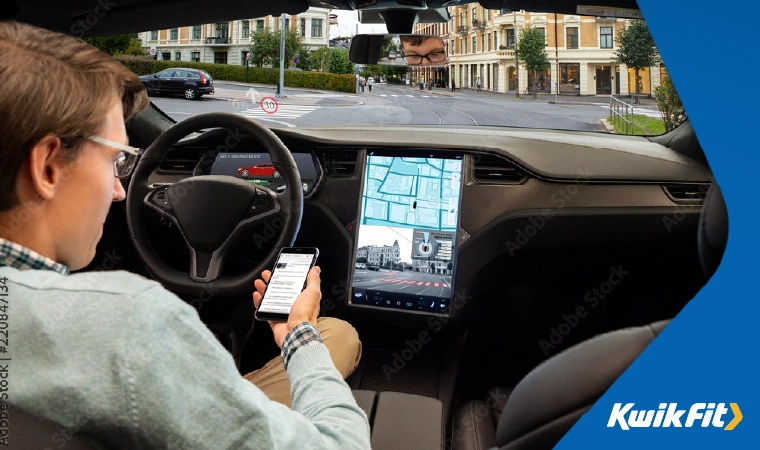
x=406, y=249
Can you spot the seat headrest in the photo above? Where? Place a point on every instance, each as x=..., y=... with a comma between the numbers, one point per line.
x=713, y=231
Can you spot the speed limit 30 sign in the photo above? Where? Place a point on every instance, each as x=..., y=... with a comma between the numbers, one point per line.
x=269, y=105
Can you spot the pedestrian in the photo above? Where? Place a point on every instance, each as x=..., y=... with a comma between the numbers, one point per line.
x=477, y=84
x=453, y=85
x=370, y=83
x=362, y=83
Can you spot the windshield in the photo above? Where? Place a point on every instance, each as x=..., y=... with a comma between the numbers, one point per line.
x=504, y=69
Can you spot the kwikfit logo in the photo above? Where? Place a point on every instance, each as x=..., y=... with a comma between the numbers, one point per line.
x=668, y=415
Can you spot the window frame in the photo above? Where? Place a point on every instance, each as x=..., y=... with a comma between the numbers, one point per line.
x=195, y=56
x=610, y=36
x=174, y=34
x=197, y=32
x=568, y=36
x=315, y=21
x=245, y=28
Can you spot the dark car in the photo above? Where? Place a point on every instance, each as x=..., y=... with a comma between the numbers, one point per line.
x=190, y=83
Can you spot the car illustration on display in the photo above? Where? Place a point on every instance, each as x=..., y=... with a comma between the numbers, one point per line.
x=259, y=170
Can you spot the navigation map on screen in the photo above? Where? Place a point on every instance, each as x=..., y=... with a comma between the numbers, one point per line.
x=407, y=229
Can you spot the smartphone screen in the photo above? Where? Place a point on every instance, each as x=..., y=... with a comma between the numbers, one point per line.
x=287, y=281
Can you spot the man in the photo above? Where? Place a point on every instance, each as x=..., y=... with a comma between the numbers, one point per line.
x=423, y=50
x=477, y=84
x=453, y=85
x=116, y=359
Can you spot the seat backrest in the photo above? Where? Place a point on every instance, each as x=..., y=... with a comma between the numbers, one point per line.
x=554, y=395
x=27, y=432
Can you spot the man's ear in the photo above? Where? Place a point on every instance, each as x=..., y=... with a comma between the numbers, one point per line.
x=47, y=167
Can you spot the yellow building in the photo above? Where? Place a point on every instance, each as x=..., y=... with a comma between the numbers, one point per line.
x=580, y=49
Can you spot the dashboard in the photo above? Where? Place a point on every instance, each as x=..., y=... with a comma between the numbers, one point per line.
x=359, y=201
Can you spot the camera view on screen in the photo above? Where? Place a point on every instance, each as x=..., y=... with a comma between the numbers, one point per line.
x=257, y=168
x=286, y=284
x=407, y=233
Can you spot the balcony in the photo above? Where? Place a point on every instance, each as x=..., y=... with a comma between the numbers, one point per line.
x=462, y=29
x=217, y=40
x=478, y=24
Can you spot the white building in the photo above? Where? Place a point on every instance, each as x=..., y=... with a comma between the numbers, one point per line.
x=380, y=255
x=229, y=42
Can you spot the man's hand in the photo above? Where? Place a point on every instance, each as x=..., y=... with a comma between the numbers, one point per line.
x=304, y=309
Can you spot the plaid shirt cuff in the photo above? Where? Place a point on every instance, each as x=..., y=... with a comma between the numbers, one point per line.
x=302, y=335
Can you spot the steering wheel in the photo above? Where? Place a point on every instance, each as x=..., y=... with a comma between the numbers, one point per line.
x=212, y=211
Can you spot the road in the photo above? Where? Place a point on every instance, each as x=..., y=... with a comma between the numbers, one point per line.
x=414, y=283
x=390, y=105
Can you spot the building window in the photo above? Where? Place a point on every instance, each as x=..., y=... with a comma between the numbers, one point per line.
x=287, y=23
x=195, y=56
x=153, y=35
x=483, y=42
x=196, y=31
x=178, y=56
x=510, y=37
x=259, y=25
x=605, y=37
x=489, y=42
x=495, y=40
x=474, y=14
x=303, y=27
x=166, y=56
x=243, y=57
x=220, y=57
x=569, y=78
x=474, y=44
x=543, y=31
x=465, y=45
x=245, y=30
x=174, y=34
x=572, y=37
x=316, y=28
x=453, y=48
x=223, y=30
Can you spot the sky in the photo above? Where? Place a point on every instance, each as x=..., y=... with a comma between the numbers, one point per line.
x=347, y=21
x=377, y=235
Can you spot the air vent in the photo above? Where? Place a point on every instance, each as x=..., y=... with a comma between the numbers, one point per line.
x=181, y=160
x=338, y=163
x=693, y=194
x=495, y=169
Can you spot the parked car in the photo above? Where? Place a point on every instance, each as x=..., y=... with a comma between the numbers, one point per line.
x=360, y=266
x=392, y=55
x=259, y=170
x=190, y=83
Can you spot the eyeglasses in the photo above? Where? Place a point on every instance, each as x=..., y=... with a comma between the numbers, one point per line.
x=125, y=161
x=432, y=58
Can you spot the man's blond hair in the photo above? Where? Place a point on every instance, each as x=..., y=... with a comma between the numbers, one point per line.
x=55, y=84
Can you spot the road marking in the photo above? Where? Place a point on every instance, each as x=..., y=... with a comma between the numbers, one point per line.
x=427, y=284
x=426, y=96
x=420, y=283
x=409, y=95
x=289, y=125
x=394, y=95
x=383, y=95
x=283, y=112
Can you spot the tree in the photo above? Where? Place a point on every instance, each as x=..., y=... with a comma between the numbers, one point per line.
x=135, y=48
x=265, y=47
x=304, y=59
x=320, y=59
x=531, y=49
x=669, y=104
x=636, y=48
x=113, y=45
x=339, y=62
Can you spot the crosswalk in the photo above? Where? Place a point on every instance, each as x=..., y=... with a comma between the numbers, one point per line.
x=405, y=95
x=418, y=283
x=642, y=112
x=283, y=112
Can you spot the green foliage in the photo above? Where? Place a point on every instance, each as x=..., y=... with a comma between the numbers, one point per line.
x=320, y=59
x=265, y=50
x=271, y=76
x=669, y=103
x=339, y=62
x=636, y=48
x=531, y=49
x=113, y=45
x=304, y=59
x=135, y=48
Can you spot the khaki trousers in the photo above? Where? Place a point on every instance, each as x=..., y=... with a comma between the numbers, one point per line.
x=340, y=338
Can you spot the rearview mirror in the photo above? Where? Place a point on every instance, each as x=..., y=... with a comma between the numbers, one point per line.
x=417, y=50
x=155, y=75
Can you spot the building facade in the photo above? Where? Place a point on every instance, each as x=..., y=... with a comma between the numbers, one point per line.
x=380, y=255
x=580, y=49
x=229, y=42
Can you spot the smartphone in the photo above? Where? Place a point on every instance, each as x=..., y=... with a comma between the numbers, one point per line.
x=286, y=283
